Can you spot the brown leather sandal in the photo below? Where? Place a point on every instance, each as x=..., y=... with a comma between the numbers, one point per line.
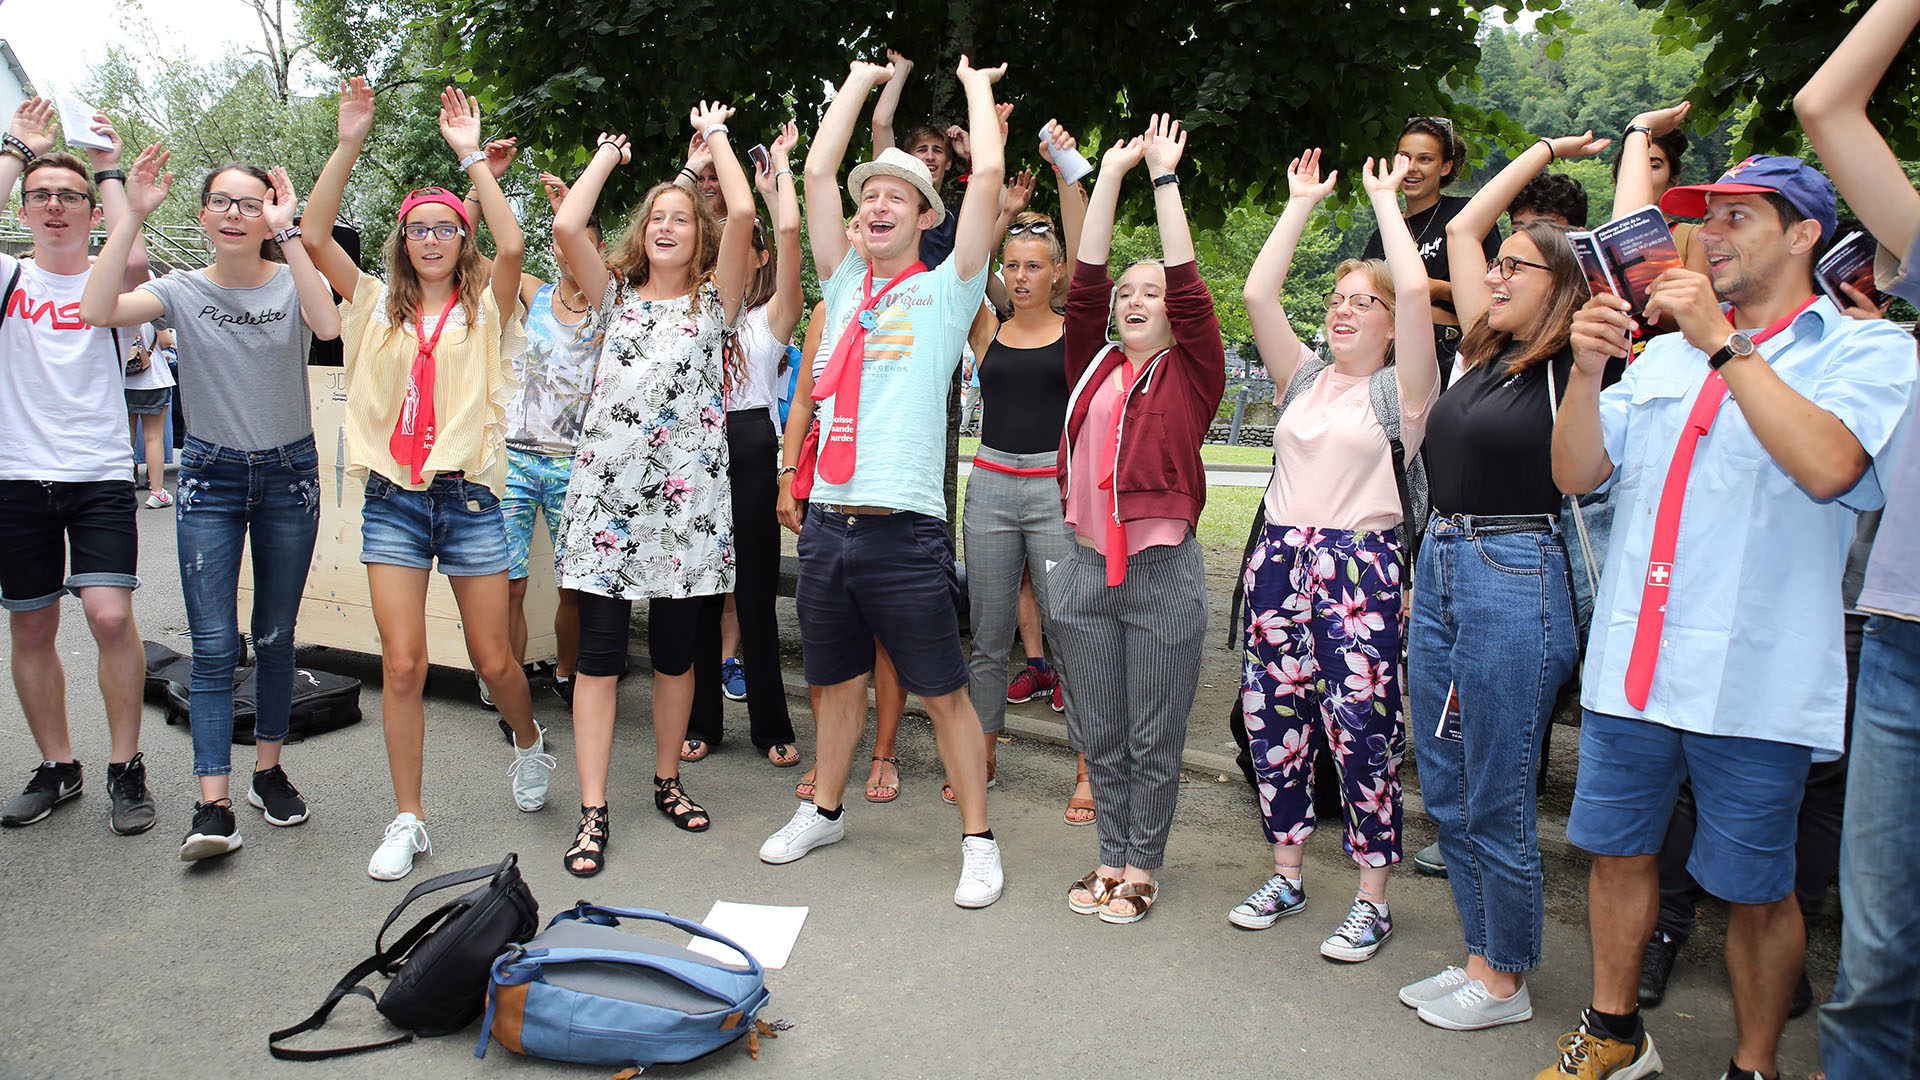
x=1137, y=895
x=1078, y=805
x=1094, y=885
x=885, y=793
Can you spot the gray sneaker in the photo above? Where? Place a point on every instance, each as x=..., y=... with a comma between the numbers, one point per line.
x=52, y=784
x=1430, y=862
x=1472, y=1008
x=1432, y=988
x=131, y=810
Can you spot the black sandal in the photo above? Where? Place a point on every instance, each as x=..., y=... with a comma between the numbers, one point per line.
x=593, y=831
x=672, y=800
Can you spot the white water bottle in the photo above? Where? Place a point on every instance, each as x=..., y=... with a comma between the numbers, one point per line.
x=1073, y=165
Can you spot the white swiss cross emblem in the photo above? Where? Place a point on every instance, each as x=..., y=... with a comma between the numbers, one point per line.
x=1659, y=573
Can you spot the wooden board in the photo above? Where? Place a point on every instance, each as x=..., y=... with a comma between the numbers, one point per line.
x=336, y=610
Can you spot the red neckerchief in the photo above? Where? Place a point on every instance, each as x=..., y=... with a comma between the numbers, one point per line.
x=842, y=377
x=1666, y=525
x=413, y=432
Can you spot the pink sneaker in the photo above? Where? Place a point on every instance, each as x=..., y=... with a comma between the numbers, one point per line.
x=1029, y=684
x=1059, y=702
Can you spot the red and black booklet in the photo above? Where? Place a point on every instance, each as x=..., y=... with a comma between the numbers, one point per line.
x=1625, y=255
x=1849, y=261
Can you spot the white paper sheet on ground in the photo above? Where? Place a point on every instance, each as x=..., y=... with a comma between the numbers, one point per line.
x=76, y=123
x=766, y=932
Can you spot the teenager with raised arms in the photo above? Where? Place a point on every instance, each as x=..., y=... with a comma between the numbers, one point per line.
x=429, y=356
x=249, y=472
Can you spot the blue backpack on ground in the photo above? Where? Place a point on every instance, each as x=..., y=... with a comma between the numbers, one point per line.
x=586, y=991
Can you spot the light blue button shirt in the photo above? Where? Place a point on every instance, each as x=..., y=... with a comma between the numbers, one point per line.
x=1752, y=644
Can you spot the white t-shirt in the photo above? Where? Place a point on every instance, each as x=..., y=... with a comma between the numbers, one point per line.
x=762, y=359
x=157, y=376
x=63, y=415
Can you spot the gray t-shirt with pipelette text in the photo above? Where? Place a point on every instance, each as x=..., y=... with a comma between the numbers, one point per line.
x=243, y=358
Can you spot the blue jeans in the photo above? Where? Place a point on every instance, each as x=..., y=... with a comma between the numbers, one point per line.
x=1493, y=623
x=1872, y=1026
x=225, y=496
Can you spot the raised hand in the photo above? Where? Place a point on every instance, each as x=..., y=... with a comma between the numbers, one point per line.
x=1860, y=306
x=556, y=189
x=698, y=155
x=500, y=155
x=900, y=64
x=1303, y=178
x=708, y=114
x=878, y=73
x=967, y=71
x=1018, y=193
x=1688, y=296
x=459, y=121
x=1602, y=330
x=619, y=145
x=782, y=149
x=356, y=110
x=962, y=148
x=1124, y=155
x=1384, y=181
x=104, y=159
x=1060, y=140
x=1165, y=141
x=33, y=125
x=1661, y=121
x=282, y=201
x=1577, y=146
x=148, y=182
x=1004, y=109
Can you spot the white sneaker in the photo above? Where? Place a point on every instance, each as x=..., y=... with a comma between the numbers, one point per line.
x=529, y=771
x=393, y=859
x=1432, y=988
x=804, y=832
x=980, y=876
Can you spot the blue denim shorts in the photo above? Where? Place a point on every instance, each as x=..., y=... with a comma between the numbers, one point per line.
x=1747, y=792
x=890, y=577
x=456, y=521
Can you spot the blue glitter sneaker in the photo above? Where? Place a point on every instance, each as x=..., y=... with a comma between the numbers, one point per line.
x=1268, y=904
x=1360, y=936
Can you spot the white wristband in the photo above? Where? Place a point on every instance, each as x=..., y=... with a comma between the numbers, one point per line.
x=708, y=134
x=472, y=159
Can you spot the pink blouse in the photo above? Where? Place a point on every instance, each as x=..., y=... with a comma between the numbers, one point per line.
x=1088, y=506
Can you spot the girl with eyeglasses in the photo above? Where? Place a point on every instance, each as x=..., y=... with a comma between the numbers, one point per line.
x=649, y=512
x=1492, y=637
x=1326, y=579
x=1013, y=522
x=244, y=324
x=429, y=356
x=1437, y=158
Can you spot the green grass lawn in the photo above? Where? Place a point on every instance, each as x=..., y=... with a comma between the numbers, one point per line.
x=1216, y=455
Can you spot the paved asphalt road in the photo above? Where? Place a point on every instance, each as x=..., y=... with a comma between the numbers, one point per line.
x=124, y=962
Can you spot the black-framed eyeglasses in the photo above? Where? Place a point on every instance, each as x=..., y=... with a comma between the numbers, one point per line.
x=1037, y=228
x=1509, y=264
x=441, y=232
x=1357, y=301
x=40, y=197
x=219, y=203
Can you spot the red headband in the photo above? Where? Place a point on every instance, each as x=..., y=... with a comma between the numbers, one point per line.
x=433, y=195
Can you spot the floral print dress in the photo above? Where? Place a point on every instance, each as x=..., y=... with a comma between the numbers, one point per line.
x=649, y=511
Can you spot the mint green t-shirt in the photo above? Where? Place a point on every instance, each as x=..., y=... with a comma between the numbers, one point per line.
x=919, y=331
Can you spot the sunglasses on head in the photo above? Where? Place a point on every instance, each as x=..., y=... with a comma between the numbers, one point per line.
x=1442, y=121
x=1037, y=228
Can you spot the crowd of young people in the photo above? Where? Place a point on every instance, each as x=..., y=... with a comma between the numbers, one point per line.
x=1476, y=416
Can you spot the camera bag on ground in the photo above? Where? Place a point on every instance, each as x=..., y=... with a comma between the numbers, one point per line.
x=438, y=969
x=589, y=992
x=322, y=701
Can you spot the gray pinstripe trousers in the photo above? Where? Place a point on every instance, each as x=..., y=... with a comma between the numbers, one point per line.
x=1134, y=650
x=1010, y=523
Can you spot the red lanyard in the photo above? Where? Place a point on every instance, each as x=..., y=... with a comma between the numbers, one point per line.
x=841, y=381
x=413, y=432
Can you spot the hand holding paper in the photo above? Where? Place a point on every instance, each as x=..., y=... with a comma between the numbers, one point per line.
x=79, y=119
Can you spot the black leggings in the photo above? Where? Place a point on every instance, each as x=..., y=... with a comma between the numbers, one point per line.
x=753, y=460
x=606, y=625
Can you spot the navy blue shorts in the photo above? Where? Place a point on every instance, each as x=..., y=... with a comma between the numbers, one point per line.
x=889, y=577
x=1746, y=791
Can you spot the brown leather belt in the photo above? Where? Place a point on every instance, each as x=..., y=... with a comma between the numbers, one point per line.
x=857, y=511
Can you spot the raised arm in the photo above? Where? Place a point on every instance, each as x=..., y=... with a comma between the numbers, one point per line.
x=1633, y=187
x=316, y=302
x=776, y=185
x=1833, y=109
x=826, y=229
x=1602, y=331
x=1414, y=365
x=323, y=202
x=32, y=124
x=973, y=237
x=103, y=303
x=1073, y=197
x=1273, y=332
x=500, y=156
x=570, y=232
x=698, y=158
x=1466, y=259
x=1096, y=237
x=113, y=200
x=460, y=126
x=888, y=105
x=734, y=269
x=1166, y=140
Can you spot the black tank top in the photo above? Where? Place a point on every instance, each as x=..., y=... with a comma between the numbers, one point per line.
x=1023, y=397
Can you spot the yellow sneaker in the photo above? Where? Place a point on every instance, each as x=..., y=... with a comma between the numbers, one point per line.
x=1591, y=1057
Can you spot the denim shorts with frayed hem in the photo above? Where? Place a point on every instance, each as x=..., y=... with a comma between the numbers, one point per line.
x=455, y=521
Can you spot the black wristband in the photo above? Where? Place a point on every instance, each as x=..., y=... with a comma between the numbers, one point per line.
x=18, y=146
x=105, y=175
x=1631, y=128
x=1163, y=181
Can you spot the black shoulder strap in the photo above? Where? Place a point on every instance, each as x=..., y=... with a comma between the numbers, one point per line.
x=13, y=282
x=444, y=881
x=346, y=987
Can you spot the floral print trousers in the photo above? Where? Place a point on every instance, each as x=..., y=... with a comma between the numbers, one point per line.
x=1325, y=626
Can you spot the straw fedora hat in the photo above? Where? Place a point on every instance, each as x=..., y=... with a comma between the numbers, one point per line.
x=894, y=161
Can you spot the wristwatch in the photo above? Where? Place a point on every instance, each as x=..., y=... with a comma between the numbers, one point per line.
x=1738, y=344
x=1163, y=181
x=1631, y=128
x=105, y=175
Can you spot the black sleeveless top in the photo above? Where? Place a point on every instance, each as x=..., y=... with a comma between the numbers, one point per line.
x=1023, y=397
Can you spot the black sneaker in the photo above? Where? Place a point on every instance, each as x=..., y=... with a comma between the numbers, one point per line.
x=52, y=784
x=1802, y=998
x=276, y=797
x=213, y=833
x=563, y=689
x=1656, y=967
x=132, y=808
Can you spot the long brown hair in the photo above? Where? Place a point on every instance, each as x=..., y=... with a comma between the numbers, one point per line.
x=403, y=282
x=1548, y=333
x=628, y=260
x=766, y=277
x=1381, y=279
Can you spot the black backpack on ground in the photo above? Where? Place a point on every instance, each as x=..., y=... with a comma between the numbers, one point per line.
x=322, y=701
x=439, y=969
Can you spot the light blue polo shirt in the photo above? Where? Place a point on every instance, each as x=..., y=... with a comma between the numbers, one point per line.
x=919, y=330
x=1753, y=643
